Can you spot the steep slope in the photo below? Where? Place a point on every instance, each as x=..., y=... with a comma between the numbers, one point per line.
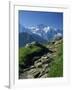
x=39, y=61
x=56, y=67
x=29, y=53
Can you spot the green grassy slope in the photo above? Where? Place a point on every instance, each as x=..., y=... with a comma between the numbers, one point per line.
x=56, y=67
x=28, y=53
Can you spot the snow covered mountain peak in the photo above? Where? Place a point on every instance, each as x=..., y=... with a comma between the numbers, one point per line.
x=44, y=31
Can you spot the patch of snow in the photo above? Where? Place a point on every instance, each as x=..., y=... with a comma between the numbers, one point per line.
x=46, y=29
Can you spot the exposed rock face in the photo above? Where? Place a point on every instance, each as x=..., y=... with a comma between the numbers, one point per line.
x=39, y=69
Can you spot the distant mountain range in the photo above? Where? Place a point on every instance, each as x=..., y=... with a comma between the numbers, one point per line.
x=41, y=33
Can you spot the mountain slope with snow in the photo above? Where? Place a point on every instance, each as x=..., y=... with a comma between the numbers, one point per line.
x=41, y=33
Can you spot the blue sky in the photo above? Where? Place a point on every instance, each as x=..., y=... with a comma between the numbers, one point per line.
x=33, y=18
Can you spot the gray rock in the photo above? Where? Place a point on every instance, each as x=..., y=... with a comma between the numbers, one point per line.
x=44, y=76
x=38, y=64
x=32, y=67
x=44, y=57
x=46, y=65
x=49, y=55
x=31, y=71
x=46, y=70
x=44, y=61
x=30, y=76
x=36, y=74
x=38, y=61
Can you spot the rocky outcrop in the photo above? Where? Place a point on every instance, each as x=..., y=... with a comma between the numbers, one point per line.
x=41, y=65
x=39, y=69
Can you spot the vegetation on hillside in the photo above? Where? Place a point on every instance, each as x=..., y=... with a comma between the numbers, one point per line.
x=46, y=60
x=56, y=67
x=26, y=54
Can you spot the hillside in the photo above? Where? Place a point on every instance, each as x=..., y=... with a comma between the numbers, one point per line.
x=41, y=61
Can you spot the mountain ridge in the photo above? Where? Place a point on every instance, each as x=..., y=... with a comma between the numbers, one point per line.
x=41, y=33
